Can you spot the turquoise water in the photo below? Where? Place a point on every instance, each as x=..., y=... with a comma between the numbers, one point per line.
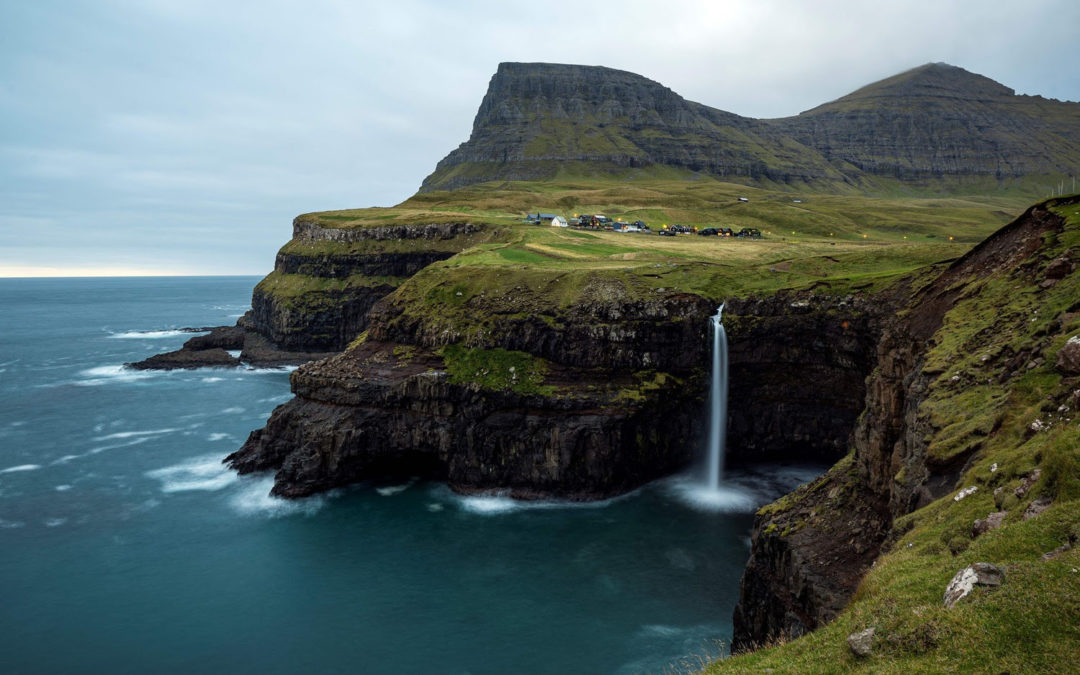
x=125, y=546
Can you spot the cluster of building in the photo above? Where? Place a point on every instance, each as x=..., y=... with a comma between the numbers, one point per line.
x=599, y=221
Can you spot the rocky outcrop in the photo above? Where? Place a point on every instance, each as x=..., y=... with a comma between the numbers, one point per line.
x=811, y=549
x=326, y=280
x=926, y=127
x=213, y=351
x=324, y=284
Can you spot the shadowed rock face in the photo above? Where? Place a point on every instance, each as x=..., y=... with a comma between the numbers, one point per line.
x=798, y=368
x=928, y=124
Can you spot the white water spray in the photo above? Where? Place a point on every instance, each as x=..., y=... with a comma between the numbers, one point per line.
x=718, y=401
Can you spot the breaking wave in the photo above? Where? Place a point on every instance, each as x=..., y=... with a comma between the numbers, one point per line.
x=201, y=473
x=153, y=334
x=254, y=499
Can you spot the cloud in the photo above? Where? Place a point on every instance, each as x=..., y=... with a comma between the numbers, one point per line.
x=129, y=125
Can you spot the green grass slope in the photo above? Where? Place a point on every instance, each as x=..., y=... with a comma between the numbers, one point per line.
x=996, y=392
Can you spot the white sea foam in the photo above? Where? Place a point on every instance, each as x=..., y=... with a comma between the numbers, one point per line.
x=276, y=399
x=211, y=380
x=268, y=370
x=391, y=490
x=659, y=630
x=62, y=488
x=725, y=498
x=65, y=459
x=232, y=411
x=498, y=503
x=235, y=353
x=135, y=434
x=218, y=437
x=10, y=524
x=110, y=375
x=205, y=473
x=434, y=507
x=152, y=334
x=135, y=441
x=254, y=499
x=20, y=468
x=55, y=522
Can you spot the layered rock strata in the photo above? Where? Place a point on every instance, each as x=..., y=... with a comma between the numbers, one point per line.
x=593, y=408
x=619, y=401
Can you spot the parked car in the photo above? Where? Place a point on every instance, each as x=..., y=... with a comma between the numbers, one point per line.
x=751, y=232
x=709, y=232
x=667, y=233
x=727, y=232
x=680, y=229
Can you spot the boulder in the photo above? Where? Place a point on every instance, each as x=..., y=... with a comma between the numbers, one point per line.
x=183, y=359
x=1059, y=268
x=991, y=522
x=1068, y=357
x=978, y=574
x=1036, y=507
x=861, y=643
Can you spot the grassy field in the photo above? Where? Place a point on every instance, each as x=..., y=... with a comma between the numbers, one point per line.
x=838, y=242
x=660, y=196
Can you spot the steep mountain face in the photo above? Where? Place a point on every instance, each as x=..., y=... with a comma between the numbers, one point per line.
x=536, y=116
x=939, y=120
x=921, y=127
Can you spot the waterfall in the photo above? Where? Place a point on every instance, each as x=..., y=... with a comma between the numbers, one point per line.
x=718, y=400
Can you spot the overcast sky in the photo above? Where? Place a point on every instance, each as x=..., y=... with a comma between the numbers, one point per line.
x=182, y=136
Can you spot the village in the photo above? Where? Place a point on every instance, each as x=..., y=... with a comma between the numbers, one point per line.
x=598, y=221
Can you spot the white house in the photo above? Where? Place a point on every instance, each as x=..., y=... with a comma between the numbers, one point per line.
x=558, y=221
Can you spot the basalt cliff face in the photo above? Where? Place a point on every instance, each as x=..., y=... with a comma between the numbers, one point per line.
x=583, y=400
x=931, y=127
x=946, y=368
x=326, y=280
x=589, y=409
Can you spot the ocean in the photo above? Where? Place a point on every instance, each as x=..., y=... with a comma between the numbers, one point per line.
x=126, y=546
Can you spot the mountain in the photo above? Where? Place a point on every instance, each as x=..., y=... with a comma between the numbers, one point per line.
x=923, y=128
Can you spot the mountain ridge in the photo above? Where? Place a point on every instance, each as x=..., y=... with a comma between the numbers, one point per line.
x=921, y=128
